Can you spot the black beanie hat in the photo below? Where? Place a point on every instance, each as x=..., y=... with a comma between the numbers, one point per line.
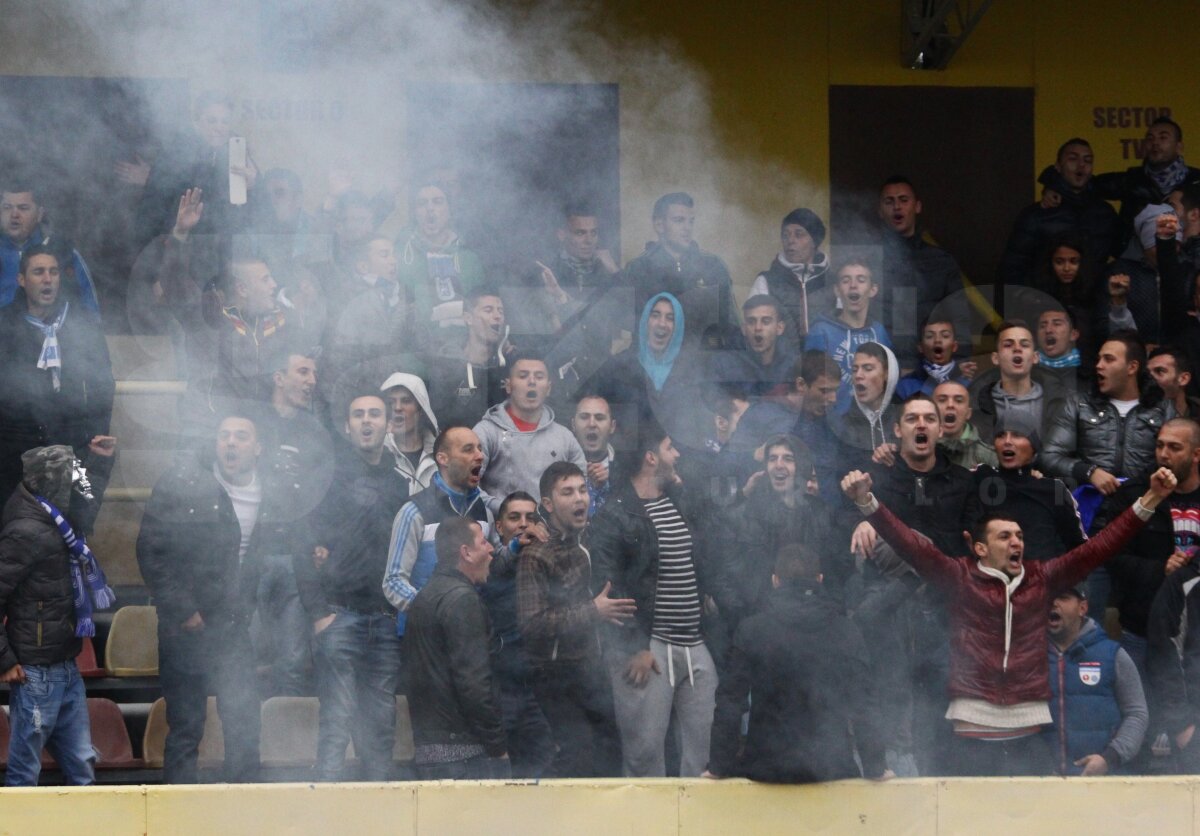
x=808, y=219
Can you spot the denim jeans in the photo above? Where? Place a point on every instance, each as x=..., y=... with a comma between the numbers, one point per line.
x=50, y=709
x=577, y=700
x=280, y=630
x=217, y=659
x=357, y=664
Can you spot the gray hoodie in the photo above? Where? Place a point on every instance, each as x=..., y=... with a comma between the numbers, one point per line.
x=514, y=460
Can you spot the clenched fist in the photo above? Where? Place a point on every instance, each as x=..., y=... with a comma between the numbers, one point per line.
x=856, y=485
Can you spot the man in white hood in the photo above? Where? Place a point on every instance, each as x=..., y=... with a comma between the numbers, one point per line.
x=412, y=429
x=868, y=422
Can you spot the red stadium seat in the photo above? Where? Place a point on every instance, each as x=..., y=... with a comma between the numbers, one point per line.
x=110, y=738
x=86, y=660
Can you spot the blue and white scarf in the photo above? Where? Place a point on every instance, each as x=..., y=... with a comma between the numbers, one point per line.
x=50, y=358
x=84, y=569
x=1069, y=360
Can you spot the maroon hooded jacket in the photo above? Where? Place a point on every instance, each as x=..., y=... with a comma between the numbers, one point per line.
x=998, y=629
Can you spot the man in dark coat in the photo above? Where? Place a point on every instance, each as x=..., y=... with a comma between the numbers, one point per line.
x=56, y=377
x=41, y=637
x=815, y=702
x=206, y=529
x=458, y=728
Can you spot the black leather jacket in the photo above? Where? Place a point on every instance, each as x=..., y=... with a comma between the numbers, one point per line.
x=623, y=545
x=448, y=638
x=1088, y=432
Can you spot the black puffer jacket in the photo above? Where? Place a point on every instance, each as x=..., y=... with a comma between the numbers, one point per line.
x=1088, y=432
x=35, y=587
x=447, y=642
x=188, y=546
x=1084, y=212
x=1133, y=187
x=623, y=545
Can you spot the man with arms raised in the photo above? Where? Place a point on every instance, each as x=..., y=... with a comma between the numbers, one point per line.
x=998, y=614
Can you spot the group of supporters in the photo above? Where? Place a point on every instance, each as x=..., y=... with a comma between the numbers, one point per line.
x=603, y=521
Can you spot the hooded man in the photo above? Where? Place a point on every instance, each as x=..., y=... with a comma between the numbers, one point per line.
x=49, y=581
x=657, y=375
x=412, y=429
x=796, y=278
x=868, y=422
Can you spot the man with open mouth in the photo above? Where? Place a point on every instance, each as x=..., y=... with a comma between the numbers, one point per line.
x=519, y=437
x=998, y=606
x=649, y=543
x=56, y=375
x=1097, y=700
x=917, y=275
x=928, y=493
x=1043, y=505
x=764, y=365
x=960, y=439
x=1017, y=383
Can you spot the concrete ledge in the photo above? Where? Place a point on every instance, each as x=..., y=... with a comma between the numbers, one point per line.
x=926, y=806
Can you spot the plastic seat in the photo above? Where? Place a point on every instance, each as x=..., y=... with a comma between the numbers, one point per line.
x=86, y=660
x=110, y=737
x=289, y=731
x=212, y=744
x=132, y=646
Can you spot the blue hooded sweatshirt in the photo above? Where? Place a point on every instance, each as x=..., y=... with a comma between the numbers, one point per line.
x=658, y=367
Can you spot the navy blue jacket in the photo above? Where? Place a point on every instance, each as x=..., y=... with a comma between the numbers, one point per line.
x=1083, y=700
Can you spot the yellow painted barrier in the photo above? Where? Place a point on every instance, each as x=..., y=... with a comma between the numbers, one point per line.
x=1027, y=806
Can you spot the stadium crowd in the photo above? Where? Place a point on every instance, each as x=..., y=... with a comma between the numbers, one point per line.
x=596, y=520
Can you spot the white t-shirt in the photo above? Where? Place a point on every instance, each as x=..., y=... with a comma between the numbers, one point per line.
x=246, y=499
x=1123, y=407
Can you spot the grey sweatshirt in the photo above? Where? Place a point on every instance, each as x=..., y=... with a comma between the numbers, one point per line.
x=513, y=460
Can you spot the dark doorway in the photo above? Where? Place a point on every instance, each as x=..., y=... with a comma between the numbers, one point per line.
x=969, y=152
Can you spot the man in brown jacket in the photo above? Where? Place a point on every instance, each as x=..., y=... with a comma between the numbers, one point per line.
x=558, y=618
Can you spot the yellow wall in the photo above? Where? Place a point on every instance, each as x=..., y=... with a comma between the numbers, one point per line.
x=761, y=67
x=672, y=808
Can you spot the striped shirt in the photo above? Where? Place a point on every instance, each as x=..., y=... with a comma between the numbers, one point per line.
x=677, y=598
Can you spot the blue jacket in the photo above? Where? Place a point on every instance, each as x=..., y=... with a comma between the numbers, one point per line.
x=839, y=340
x=411, y=555
x=10, y=264
x=1083, y=698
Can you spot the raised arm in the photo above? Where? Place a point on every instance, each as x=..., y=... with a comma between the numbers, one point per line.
x=1075, y=565
x=915, y=549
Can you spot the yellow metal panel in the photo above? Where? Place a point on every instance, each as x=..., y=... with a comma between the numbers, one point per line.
x=861, y=807
x=1032, y=806
x=580, y=808
x=113, y=811
x=280, y=810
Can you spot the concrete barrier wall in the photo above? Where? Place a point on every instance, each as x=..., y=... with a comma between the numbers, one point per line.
x=679, y=808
